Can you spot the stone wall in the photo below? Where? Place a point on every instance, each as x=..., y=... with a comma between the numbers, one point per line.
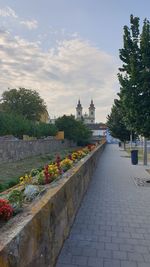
x=35, y=237
x=15, y=150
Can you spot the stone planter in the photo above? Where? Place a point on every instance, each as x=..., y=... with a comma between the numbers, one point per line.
x=35, y=237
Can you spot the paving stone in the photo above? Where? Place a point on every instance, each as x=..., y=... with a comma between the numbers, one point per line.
x=79, y=260
x=104, y=254
x=137, y=235
x=126, y=247
x=95, y=262
x=65, y=259
x=143, y=264
x=111, y=228
x=76, y=251
x=110, y=233
x=135, y=256
x=128, y=264
x=147, y=257
x=91, y=252
x=111, y=246
x=111, y=263
x=121, y=255
x=65, y=265
x=141, y=249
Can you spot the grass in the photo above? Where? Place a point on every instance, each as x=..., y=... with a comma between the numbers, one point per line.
x=10, y=172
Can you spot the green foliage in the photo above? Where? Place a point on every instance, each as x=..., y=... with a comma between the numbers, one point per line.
x=23, y=101
x=1, y=188
x=10, y=183
x=13, y=124
x=40, y=177
x=134, y=77
x=34, y=172
x=18, y=126
x=116, y=124
x=16, y=197
x=73, y=129
x=44, y=129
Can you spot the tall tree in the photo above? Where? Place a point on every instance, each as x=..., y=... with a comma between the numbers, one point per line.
x=25, y=102
x=134, y=77
x=116, y=124
x=129, y=73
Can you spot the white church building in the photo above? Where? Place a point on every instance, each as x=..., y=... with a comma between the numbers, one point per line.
x=98, y=129
x=86, y=118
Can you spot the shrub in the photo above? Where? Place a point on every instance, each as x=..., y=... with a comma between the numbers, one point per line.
x=34, y=172
x=40, y=177
x=16, y=197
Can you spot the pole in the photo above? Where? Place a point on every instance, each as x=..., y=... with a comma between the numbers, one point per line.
x=131, y=140
x=145, y=152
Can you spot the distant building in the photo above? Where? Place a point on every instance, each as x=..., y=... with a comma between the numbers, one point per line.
x=52, y=120
x=45, y=117
x=98, y=129
x=86, y=118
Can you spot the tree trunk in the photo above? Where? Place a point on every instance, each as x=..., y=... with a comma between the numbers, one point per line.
x=124, y=145
x=131, y=140
x=145, y=152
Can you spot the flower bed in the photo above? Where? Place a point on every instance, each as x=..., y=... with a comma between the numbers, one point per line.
x=35, y=236
x=33, y=184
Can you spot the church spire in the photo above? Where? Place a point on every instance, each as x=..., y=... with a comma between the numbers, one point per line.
x=79, y=104
x=92, y=104
x=92, y=112
x=79, y=110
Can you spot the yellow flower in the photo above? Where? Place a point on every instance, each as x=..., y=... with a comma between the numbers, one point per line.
x=27, y=179
x=66, y=163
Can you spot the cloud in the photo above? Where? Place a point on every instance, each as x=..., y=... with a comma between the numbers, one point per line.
x=11, y=18
x=30, y=24
x=74, y=69
x=7, y=12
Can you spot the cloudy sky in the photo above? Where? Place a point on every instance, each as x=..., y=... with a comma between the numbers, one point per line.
x=65, y=49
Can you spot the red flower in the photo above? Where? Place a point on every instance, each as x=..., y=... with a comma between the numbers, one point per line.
x=47, y=175
x=6, y=210
x=58, y=159
x=70, y=157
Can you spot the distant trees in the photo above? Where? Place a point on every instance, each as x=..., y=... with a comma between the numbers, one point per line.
x=20, y=113
x=73, y=129
x=17, y=125
x=25, y=102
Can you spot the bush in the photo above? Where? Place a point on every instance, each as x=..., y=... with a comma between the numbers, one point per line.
x=17, y=125
x=74, y=130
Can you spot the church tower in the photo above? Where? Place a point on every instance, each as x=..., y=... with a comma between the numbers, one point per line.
x=92, y=112
x=79, y=111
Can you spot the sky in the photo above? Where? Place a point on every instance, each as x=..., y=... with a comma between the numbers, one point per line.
x=66, y=50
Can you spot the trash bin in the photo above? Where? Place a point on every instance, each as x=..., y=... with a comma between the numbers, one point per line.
x=119, y=144
x=134, y=157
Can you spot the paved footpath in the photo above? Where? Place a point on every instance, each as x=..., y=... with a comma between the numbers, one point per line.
x=112, y=227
